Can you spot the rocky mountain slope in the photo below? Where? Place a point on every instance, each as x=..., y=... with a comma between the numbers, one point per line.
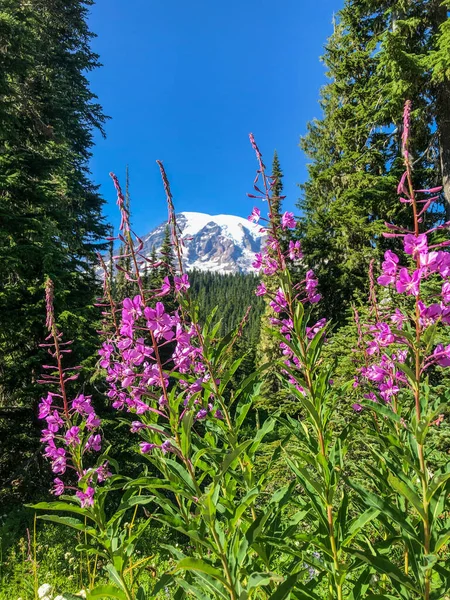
x=216, y=243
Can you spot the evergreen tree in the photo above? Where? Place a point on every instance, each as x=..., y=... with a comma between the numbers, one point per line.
x=380, y=54
x=51, y=221
x=268, y=350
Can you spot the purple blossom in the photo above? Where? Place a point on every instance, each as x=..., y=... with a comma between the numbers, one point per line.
x=59, y=461
x=415, y=244
x=389, y=267
x=257, y=263
x=202, y=414
x=94, y=443
x=159, y=321
x=58, y=487
x=407, y=283
x=106, y=352
x=255, y=215
x=182, y=283
x=357, y=407
x=430, y=261
x=279, y=302
x=165, y=288
x=103, y=472
x=82, y=405
x=45, y=406
x=287, y=220
x=445, y=292
x=146, y=447
x=428, y=315
x=166, y=447
x=54, y=422
x=295, y=250
x=312, y=331
x=72, y=436
x=87, y=497
x=311, y=286
x=92, y=421
x=441, y=355
x=261, y=289
x=270, y=266
x=398, y=318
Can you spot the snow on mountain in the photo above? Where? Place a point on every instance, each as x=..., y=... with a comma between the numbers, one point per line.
x=219, y=243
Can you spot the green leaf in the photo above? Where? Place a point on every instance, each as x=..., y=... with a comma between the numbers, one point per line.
x=385, y=508
x=385, y=566
x=442, y=541
x=69, y=522
x=380, y=597
x=357, y=524
x=436, y=482
x=196, y=564
x=407, y=492
x=284, y=589
x=303, y=475
x=232, y=456
x=259, y=579
x=114, y=575
x=63, y=506
x=180, y=473
x=105, y=591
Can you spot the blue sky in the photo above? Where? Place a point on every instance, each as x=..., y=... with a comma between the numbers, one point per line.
x=185, y=82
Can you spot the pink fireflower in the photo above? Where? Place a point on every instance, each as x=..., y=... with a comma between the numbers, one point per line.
x=295, y=250
x=182, y=283
x=415, y=244
x=261, y=289
x=408, y=283
x=389, y=267
x=287, y=220
x=87, y=497
x=255, y=215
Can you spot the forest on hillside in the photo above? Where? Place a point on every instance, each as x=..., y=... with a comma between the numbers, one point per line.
x=277, y=435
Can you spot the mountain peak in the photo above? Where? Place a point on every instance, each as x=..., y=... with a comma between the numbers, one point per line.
x=219, y=243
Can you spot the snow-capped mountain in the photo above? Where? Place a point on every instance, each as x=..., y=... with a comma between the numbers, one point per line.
x=219, y=243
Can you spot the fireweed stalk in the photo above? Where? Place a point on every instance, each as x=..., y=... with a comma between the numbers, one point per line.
x=402, y=349
x=308, y=379
x=72, y=432
x=171, y=373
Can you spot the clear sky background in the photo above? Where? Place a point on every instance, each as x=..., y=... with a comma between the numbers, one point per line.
x=186, y=81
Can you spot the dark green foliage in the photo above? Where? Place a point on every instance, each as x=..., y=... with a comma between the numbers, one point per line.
x=233, y=294
x=51, y=221
x=380, y=54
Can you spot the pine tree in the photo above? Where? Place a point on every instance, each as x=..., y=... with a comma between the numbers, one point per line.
x=380, y=54
x=268, y=351
x=51, y=221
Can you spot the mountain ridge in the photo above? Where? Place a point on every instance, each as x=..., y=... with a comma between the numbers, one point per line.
x=216, y=243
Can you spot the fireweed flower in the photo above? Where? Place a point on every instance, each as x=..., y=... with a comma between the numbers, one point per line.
x=389, y=267
x=415, y=244
x=255, y=215
x=261, y=289
x=69, y=423
x=295, y=250
x=407, y=283
x=385, y=349
x=150, y=343
x=274, y=260
x=182, y=283
x=87, y=497
x=288, y=221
